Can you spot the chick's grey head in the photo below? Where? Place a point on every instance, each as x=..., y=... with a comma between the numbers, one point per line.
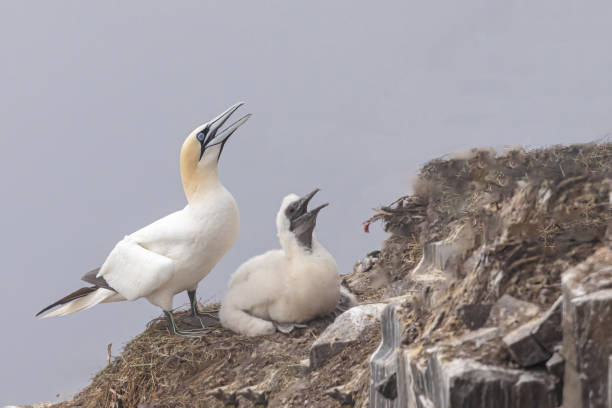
x=301, y=221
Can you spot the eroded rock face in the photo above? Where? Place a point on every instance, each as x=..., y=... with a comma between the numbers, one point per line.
x=523, y=346
x=436, y=378
x=587, y=331
x=535, y=341
x=383, y=363
x=345, y=330
x=445, y=382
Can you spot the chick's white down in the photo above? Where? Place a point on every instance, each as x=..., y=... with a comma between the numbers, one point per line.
x=288, y=285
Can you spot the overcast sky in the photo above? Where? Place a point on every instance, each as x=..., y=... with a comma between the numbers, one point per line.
x=352, y=97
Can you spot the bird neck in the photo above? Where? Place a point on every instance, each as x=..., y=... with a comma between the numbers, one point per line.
x=292, y=247
x=200, y=182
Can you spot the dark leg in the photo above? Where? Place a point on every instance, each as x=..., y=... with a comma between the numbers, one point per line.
x=176, y=331
x=193, y=302
x=194, y=306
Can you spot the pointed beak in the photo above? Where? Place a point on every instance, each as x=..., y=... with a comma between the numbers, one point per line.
x=302, y=216
x=303, y=226
x=215, y=124
x=303, y=202
x=310, y=217
x=319, y=208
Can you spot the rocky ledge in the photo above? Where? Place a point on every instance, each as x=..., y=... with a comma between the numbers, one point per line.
x=494, y=289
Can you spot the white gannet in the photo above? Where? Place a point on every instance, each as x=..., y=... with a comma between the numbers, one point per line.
x=293, y=284
x=174, y=253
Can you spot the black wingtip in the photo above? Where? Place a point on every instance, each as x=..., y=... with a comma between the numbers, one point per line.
x=69, y=298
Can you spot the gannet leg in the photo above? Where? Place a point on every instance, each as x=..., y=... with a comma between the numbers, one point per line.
x=194, y=307
x=175, y=330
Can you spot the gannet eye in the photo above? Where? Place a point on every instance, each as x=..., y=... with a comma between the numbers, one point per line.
x=201, y=136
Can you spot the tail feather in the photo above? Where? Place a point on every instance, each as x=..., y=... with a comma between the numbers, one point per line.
x=69, y=298
x=79, y=300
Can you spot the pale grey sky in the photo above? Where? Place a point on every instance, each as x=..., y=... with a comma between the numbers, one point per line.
x=350, y=96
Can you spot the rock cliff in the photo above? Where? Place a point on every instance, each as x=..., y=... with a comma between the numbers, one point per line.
x=494, y=289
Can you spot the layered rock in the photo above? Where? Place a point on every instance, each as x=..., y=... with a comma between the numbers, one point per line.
x=587, y=331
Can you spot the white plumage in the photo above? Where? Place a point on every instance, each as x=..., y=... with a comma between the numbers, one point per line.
x=174, y=253
x=293, y=284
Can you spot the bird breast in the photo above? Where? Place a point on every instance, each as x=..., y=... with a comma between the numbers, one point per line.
x=312, y=289
x=195, y=238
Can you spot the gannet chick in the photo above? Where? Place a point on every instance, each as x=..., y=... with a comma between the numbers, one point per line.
x=293, y=284
x=175, y=253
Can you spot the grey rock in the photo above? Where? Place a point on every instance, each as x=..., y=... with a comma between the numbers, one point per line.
x=548, y=330
x=388, y=387
x=444, y=382
x=587, y=330
x=508, y=312
x=345, y=330
x=383, y=362
x=439, y=264
x=437, y=379
x=474, y=316
x=534, y=342
x=523, y=346
x=555, y=365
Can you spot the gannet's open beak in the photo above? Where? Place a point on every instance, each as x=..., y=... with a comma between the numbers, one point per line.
x=302, y=203
x=309, y=218
x=219, y=121
x=304, y=225
x=209, y=134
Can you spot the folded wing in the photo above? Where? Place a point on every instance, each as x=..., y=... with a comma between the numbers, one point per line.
x=134, y=271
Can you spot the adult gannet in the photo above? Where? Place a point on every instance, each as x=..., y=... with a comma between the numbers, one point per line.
x=174, y=253
x=293, y=284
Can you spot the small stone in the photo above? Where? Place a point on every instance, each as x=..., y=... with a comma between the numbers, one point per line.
x=344, y=331
x=388, y=387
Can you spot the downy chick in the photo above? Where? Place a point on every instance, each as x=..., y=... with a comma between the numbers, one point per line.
x=293, y=284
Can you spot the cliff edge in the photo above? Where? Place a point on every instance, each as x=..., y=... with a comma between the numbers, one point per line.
x=494, y=288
